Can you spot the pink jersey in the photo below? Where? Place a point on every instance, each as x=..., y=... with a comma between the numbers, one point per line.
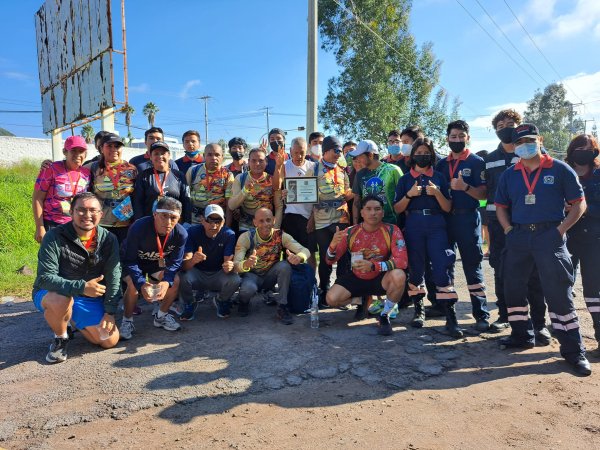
x=60, y=186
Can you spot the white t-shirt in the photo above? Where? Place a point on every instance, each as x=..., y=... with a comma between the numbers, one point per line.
x=305, y=170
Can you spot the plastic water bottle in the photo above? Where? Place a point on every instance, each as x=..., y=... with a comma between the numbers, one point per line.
x=314, y=311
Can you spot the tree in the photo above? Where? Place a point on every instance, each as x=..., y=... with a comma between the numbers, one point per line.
x=128, y=110
x=88, y=133
x=555, y=117
x=381, y=86
x=150, y=110
x=223, y=143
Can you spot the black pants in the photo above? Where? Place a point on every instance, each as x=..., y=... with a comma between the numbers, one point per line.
x=324, y=236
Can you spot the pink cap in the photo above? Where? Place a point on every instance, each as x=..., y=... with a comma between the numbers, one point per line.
x=75, y=142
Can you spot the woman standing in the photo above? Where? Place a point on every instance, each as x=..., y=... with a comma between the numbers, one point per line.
x=113, y=181
x=584, y=237
x=424, y=195
x=56, y=186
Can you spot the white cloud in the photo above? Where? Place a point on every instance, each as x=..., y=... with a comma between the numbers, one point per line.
x=483, y=137
x=587, y=88
x=140, y=88
x=581, y=20
x=185, y=91
x=20, y=76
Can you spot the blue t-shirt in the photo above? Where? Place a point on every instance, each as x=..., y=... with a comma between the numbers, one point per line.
x=591, y=189
x=223, y=244
x=557, y=183
x=422, y=201
x=472, y=168
x=141, y=255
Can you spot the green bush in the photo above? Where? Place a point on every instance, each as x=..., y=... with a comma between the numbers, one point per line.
x=17, y=245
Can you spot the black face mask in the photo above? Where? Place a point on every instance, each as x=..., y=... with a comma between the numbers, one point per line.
x=505, y=135
x=584, y=157
x=275, y=145
x=457, y=147
x=237, y=156
x=422, y=160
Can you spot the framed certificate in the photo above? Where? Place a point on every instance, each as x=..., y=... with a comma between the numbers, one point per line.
x=301, y=190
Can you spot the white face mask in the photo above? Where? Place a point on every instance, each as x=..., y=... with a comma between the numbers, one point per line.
x=405, y=149
x=315, y=150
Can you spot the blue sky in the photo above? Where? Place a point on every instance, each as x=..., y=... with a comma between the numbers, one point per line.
x=251, y=54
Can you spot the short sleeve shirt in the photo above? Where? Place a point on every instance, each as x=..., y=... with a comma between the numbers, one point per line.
x=60, y=186
x=260, y=195
x=305, y=170
x=332, y=183
x=381, y=182
x=207, y=188
x=223, y=244
x=112, y=185
x=472, y=168
x=423, y=201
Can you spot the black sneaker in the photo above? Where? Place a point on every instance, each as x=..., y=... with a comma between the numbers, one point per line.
x=58, y=350
x=499, y=325
x=581, y=366
x=543, y=337
x=243, y=309
x=482, y=325
x=223, y=309
x=284, y=315
x=385, y=327
x=511, y=342
x=188, y=312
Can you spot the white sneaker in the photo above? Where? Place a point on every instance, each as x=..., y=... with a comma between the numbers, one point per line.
x=167, y=322
x=126, y=329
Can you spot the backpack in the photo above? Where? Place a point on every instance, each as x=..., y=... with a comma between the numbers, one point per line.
x=303, y=284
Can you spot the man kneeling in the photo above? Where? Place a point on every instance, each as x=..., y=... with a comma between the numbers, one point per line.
x=378, y=255
x=78, y=278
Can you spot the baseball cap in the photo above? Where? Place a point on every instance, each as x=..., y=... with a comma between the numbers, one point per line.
x=75, y=142
x=111, y=137
x=213, y=209
x=331, y=143
x=159, y=144
x=526, y=130
x=366, y=146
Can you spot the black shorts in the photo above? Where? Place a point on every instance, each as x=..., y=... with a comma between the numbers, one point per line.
x=359, y=287
x=295, y=226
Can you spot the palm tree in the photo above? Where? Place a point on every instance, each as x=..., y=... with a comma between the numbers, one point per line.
x=88, y=133
x=128, y=110
x=150, y=110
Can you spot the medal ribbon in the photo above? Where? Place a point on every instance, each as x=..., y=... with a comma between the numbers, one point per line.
x=452, y=168
x=531, y=187
x=160, y=185
x=161, y=246
x=88, y=243
x=73, y=185
x=114, y=177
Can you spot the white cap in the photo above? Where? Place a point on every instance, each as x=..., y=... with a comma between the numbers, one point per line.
x=366, y=146
x=214, y=209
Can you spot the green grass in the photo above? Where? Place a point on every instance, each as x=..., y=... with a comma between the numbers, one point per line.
x=17, y=245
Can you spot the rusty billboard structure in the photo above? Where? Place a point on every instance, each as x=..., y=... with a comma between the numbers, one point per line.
x=75, y=61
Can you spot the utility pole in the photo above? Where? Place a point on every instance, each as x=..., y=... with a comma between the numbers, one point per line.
x=266, y=108
x=311, y=76
x=205, y=98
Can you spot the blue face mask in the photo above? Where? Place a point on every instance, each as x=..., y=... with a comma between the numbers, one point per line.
x=192, y=154
x=406, y=149
x=527, y=150
x=393, y=149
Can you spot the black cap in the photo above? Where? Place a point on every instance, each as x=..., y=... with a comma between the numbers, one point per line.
x=525, y=130
x=110, y=138
x=331, y=143
x=159, y=144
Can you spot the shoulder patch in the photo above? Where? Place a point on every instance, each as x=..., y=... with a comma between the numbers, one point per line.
x=548, y=179
x=466, y=172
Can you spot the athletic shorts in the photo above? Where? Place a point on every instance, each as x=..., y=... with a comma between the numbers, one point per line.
x=87, y=311
x=359, y=287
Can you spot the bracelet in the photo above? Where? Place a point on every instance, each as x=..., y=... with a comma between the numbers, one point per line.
x=468, y=187
x=408, y=197
x=508, y=229
x=242, y=267
x=330, y=254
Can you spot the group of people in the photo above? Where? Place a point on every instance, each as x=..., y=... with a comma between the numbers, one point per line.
x=166, y=230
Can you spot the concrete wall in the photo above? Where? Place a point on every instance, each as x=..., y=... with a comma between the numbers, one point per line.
x=16, y=149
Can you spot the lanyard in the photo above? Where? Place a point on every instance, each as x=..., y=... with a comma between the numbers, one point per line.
x=114, y=177
x=73, y=185
x=452, y=169
x=161, y=246
x=88, y=243
x=160, y=185
x=531, y=187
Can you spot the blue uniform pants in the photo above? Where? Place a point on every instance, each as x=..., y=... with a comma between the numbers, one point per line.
x=584, y=244
x=464, y=232
x=546, y=249
x=535, y=295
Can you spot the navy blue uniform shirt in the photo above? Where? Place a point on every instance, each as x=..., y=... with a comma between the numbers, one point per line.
x=223, y=244
x=422, y=201
x=146, y=192
x=472, y=168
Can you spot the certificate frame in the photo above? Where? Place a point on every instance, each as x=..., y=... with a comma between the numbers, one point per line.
x=301, y=190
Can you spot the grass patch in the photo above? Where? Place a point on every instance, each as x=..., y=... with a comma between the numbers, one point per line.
x=17, y=245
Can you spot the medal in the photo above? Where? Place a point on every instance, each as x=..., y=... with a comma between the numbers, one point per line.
x=161, y=247
x=161, y=263
x=530, y=199
x=530, y=196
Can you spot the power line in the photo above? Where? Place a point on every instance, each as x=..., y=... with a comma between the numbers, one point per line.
x=496, y=42
x=540, y=51
x=511, y=43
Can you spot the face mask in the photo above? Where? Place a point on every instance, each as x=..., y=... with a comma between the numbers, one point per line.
x=456, y=147
x=505, y=135
x=527, y=150
x=328, y=164
x=275, y=145
x=193, y=154
x=237, y=156
x=584, y=157
x=315, y=150
x=406, y=149
x=422, y=160
x=393, y=149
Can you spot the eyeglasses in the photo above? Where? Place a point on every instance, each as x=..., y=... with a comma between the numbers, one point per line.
x=216, y=220
x=84, y=211
x=337, y=151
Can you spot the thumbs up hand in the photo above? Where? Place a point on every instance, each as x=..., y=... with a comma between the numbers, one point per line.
x=93, y=288
x=198, y=256
x=432, y=189
x=292, y=258
x=458, y=184
x=337, y=237
x=415, y=190
x=251, y=261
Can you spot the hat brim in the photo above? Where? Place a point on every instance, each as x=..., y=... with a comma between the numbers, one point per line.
x=356, y=153
x=533, y=136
